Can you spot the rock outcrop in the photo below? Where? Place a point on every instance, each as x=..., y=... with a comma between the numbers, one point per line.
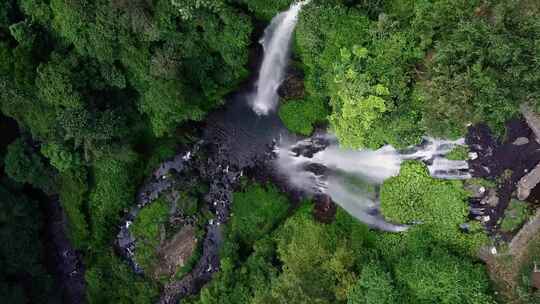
x=533, y=120
x=528, y=182
x=532, y=179
x=293, y=85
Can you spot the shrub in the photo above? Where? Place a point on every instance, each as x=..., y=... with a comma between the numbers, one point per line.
x=300, y=116
x=146, y=229
x=436, y=206
x=256, y=212
x=514, y=216
x=111, y=280
x=73, y=196
x=459, y=153
x=375, y=286
x=113, y=190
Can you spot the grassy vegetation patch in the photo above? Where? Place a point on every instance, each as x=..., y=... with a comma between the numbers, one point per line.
x=459, y=153
x=112, y=191
x=436, y=206
x=526, y=291
x=514, y=216
x=482, y=182
x=73, y=195
x=146, y=229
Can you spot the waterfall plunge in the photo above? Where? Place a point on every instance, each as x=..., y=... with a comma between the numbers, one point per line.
x=276, y=43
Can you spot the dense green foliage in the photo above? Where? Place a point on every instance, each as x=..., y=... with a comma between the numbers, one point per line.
x=103, y=91
x=257, y=211
x=515, y=215
x=146, y=230
x=73, y=195
x=23, y=278
x=111, y=280
x=300, y=116
x=26, y=166
x=437, y=206
x=459, y=153
x=303, y=261
x=113, y=191
x=413, y=67
x=92, y=85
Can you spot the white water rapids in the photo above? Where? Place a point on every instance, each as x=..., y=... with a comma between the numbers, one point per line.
x=349, y=174
x=349, y=177
x=277, y=44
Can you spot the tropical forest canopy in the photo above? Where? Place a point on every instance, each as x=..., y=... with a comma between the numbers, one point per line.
x=103, y=91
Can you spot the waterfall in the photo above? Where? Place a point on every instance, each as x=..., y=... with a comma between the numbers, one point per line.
x=276, y=43
x=318, y=165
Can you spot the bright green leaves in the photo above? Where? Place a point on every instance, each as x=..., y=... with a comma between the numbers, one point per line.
x=437, y=206
x=375, y=286
x=146, y=230
x=359, y=52
x=434, y=260
x=432, y=275
x=358, y=105
x=264, y=9
x=257, y=212
x=113, y=191
x=55, y=84
x=318, y=266
x=188, y=8
x=300, y=116
x=60, y=157
x=164, y=103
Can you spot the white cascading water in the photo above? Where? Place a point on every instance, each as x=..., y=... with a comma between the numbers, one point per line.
x=276, y=43
x=347, y=171
x=371, y=167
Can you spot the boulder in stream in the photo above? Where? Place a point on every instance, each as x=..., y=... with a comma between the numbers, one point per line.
x=520, y=141
x=491, y=199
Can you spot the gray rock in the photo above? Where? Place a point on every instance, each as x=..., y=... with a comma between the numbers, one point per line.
x=520, y=141
x=476, y=191
x=490, y=199
x=465, y=227
x=528, y=182
x=533, y=120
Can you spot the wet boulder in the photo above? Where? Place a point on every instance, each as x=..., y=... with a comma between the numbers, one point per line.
x=520, y=141
x=491, y=199
x=476, y=191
